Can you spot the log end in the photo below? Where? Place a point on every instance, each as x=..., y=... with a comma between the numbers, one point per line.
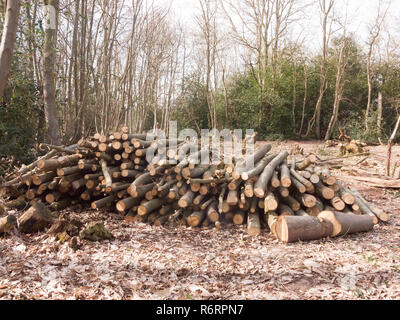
x=330, y=216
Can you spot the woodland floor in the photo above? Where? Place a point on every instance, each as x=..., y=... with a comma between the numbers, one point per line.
x=145, y=262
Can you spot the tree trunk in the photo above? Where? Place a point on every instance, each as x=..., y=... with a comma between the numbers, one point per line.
x=302, y=228
x=49, y=79
x=347, y=223
x=380, y=110
x=8, y=42
x=390, y=144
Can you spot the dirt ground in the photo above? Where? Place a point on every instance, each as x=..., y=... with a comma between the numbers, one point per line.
x=145, y=262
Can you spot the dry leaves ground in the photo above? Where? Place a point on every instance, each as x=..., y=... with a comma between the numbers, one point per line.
x=145, y=262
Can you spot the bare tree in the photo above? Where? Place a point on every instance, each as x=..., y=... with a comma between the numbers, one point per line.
x=342, y=61
x=260, y=27
x=374, y=33
x=49, y=78
x=326, y=8
x=8, y=41
x=207, y=23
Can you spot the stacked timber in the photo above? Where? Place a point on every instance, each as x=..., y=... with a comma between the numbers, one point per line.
x=296, y=200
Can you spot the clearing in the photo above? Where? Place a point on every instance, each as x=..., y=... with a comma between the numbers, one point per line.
x=145, y=262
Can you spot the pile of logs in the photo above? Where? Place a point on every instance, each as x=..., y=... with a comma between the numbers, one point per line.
x=296, y=200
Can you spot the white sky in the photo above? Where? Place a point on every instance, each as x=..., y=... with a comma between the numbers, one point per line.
x=360, y=14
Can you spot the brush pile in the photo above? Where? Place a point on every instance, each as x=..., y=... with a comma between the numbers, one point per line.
x=295, y=199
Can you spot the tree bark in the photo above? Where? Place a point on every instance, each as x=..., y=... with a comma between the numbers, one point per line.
x=302, y=228
x=253, y=224
x=49, y=79
x=380, y=111
x=347, y=224
x=36, y=219
x=8, y=41
x=265, y=177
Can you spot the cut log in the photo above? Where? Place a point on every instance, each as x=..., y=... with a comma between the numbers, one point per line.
x=284, y=192
x=378, y=212
x=310, y=160
x=165, y=210
x=258, y=169
x=150, y=206
x=143, y=179
x=324, y=192
x=292, y=203
x=196, y=218
x=126, y=204
x=7, y=224
x=53, y=197
x=308, y=184
x=232, y=198
x=317, y=209
x=77, y=184
x=346, y=195
x=347, y=224
x=338, y=203
x=103, y=202
x=285, y=210
x=221, y=198
x=212, y=212
x=248, y=163
x=270, y=202
x=302, y=228
x=106, y=173
x=239, y=218
x=39, y=179
x=173, y=193
x=198, y=200
x=54, y=164
x=301, y=213
x=314, y=178
x=328, y=179
x=254, y=205
x=275, y=182
x=187, y=199
x=271, y=221
x=17, y=204
x=248, y=189
x=308, y=200
x=253, y=224
x=305, y=174
x=35, y=219
x=286, y=180
x=359, y=205
x=263, y=180
x=298, y=185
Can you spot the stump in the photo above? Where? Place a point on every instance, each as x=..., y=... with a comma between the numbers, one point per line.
x=7, y=224
x=35, y=219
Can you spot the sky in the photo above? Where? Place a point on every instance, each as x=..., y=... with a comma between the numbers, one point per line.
x=360, y=13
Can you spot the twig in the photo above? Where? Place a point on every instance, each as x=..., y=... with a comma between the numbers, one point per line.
x=345, y=157
x=361, y=161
